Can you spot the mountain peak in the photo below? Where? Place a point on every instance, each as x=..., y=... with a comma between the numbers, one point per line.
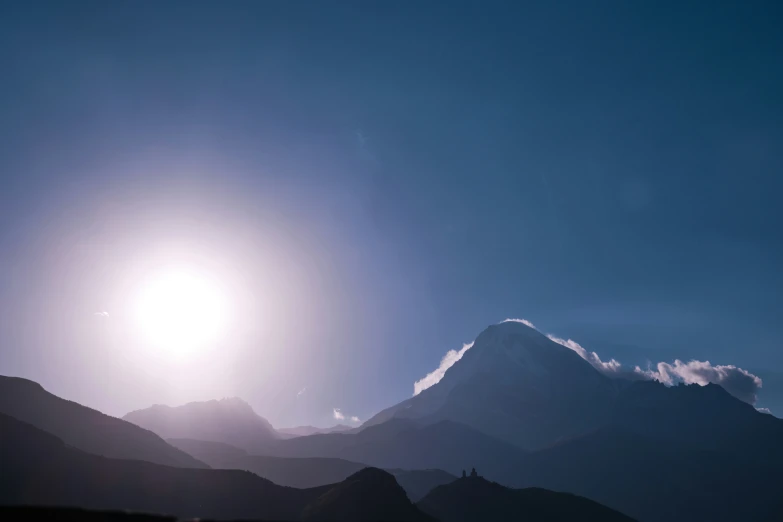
x=230, y=420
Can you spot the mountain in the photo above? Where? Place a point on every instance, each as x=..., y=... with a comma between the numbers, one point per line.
x=304, y=431
x=304, y=472
x=368, y=495
x=654, y=452
x=231, y=421
x=84, y=428
x=294, y=472
x=418, y=482
x=474, y=498
x=40, y=470
x=632, y=473
x=403, y=443
x=517, y=385
x=701, y=417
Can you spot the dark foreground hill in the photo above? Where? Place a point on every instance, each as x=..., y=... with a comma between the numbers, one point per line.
x=305, y=472
x=370, y=494
x=86, y=429
x=474, y=498
x=38, y=469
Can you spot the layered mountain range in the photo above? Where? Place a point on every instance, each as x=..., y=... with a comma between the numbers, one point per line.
x=527, y=412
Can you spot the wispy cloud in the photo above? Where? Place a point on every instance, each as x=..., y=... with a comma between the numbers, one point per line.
x=101, y=314
x=301, y=392
x=338, y=414
x=437, y=374
x=611, y=366
x=355, y=419
x=764, y=410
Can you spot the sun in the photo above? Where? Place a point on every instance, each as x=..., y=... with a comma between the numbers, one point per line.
x=181, y=312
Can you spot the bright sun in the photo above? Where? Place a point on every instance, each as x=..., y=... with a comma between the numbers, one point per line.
x=181, y=312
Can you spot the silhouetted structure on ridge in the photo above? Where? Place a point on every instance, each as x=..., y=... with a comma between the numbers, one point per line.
x=473, y=473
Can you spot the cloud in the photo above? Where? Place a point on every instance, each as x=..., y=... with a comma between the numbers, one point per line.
x=301, y=392
x=611, y=367
x=764, y=410
x=101, y=314
x=437, y=374
x=740, y=383
x=340, y=416
x=523, y=321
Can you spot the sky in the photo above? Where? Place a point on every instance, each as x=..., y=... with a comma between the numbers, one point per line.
x=371, y=184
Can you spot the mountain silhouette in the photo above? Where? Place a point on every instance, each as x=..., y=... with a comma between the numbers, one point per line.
x=418, y=482
x=39, y=469
x=303, y=431
x=624, y=443
x=517, y=385
x=632, y=473
x=304, y=472
x=405, y=444
x=231, y=421
x=368, y=495
x=86, y=429
x=475, y=498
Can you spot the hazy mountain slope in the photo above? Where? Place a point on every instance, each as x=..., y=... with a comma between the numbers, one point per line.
x=85, y=428
x=232, y=421
x=418, y=482
x=517, y=385
x=38, y=469
x=474, y=498
x=219, y=453
x=304, y=472
x=304, y=431
x=368, y=495
x=294, y=472
x=403, y=443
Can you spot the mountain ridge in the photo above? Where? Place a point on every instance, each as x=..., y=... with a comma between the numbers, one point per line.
x=85, y=428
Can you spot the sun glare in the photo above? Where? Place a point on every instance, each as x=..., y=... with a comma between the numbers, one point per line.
x=181, y=312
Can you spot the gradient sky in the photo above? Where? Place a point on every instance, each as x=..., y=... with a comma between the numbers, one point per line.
x=376, y=182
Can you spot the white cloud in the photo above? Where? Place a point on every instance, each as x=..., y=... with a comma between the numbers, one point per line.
x=301, y=392
x=101, y=314
x=437, y=374
x=738, y=382
x=338, y=414
x=611, y=366
x=523, y=321
x=764, y=410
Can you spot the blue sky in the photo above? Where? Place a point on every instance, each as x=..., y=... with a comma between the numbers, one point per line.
x=381, y=181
